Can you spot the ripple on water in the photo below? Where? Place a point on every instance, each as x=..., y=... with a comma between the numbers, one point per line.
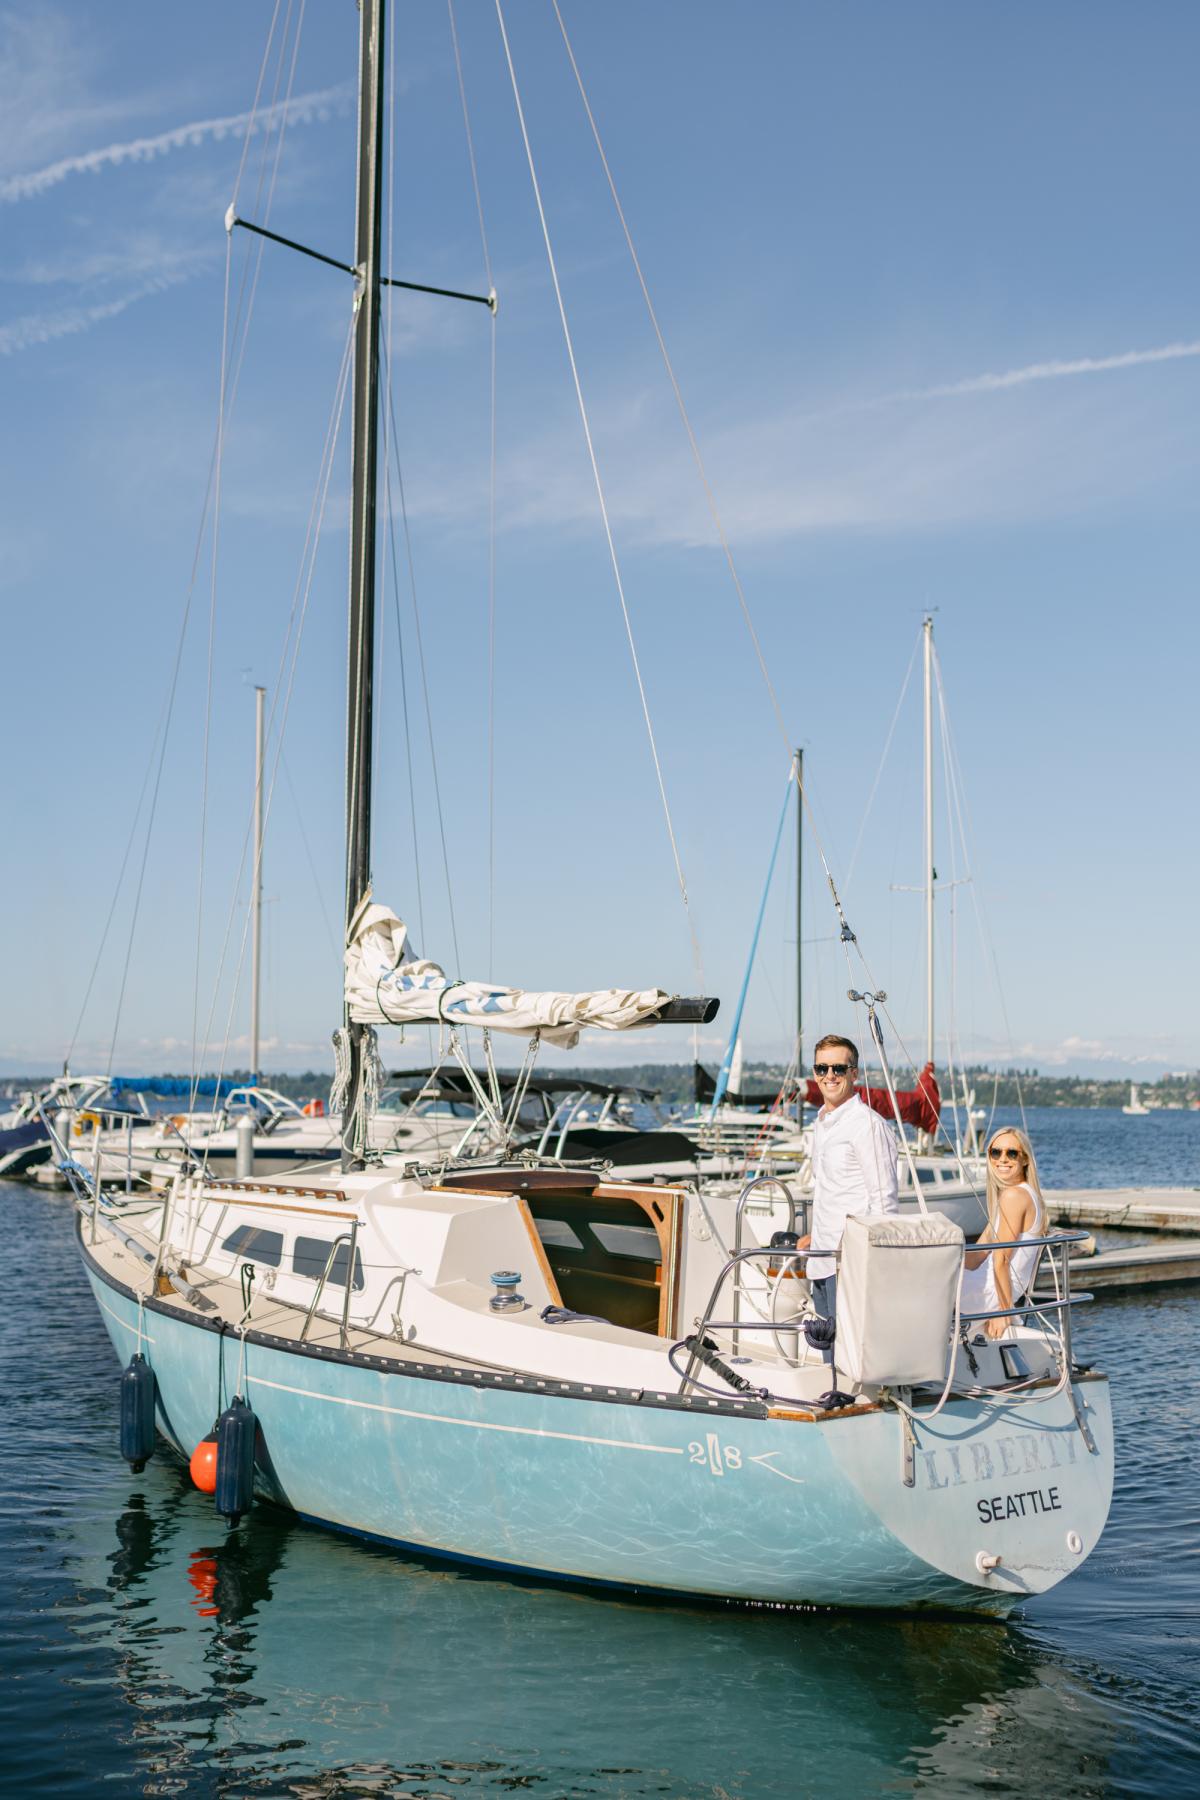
x=149, y=1652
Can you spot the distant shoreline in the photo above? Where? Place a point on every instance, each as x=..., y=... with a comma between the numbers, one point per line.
x=673, y=1083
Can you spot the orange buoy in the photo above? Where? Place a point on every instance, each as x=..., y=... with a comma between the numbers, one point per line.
x=314, y=1109
x=203, y=1466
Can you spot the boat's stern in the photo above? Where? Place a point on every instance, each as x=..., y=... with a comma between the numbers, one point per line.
x=1005, y=1494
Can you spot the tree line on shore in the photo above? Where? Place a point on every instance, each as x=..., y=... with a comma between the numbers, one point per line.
x=673, y=1084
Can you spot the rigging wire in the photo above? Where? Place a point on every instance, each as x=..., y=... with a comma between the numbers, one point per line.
x=392, y=299
x=293, y=638
x=252, y=267
x=953, y=1045
x=390, y=560
x=312, y=865
x=412, y=582
x=491, y=709
x=848, y=941
x=228, y=335
x=678, y=392
x=696, y=453
x=491, y=730
x=887, y=744
x=964, y=826
x=189, y=595
x=129, y=842
x=954, y=1048
x=202, y=844
x=710, y=496
x=595, y=466
x=295, y=626
x=408, y=757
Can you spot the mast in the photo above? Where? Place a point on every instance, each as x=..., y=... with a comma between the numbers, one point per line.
x=799, y=935
x=256, y=888
x=364, y=487
x=930, y=872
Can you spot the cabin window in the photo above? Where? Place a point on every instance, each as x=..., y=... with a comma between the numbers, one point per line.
x=256, y=1244
x=310, y=1255
x=926, y=1175
x=558, y=1235
x=627, y=1240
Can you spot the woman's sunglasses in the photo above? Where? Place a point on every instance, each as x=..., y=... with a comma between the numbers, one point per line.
x=1011, y=1155
x=831, y=1068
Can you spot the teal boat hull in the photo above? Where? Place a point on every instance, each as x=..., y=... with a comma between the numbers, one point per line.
x=633, y=1493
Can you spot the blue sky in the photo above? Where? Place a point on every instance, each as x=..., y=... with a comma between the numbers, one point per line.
x=927, y=276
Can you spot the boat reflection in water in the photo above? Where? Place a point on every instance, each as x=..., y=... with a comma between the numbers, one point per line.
x=280, y=1660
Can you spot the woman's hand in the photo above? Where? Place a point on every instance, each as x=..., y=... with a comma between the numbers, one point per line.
x=997, y=1328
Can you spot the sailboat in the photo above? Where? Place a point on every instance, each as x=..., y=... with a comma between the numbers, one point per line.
x=541, y=1369
x=764, y=1131
x=1137, y=1108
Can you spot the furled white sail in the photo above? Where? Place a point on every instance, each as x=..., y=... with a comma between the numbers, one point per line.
x=383, y=988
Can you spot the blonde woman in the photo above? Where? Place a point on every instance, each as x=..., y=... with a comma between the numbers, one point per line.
x=995, y=1281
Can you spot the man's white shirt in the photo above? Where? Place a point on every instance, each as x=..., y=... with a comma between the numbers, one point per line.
x=854, y=1158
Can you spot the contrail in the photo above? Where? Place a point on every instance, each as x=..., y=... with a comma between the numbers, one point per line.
x=301, y=110
x=43, y=328
x=1046, y=371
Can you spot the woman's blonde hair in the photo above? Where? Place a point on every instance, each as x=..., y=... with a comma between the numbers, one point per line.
x=1029, y=1174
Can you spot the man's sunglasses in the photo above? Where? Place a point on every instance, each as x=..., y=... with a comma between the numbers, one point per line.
x=1011, y=1155
x=832, y=1068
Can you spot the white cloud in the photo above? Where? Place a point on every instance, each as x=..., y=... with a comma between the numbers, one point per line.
x=302, y=109
x=897, y=461
x=43, y=328
x=1044, y=371
x=45, y=70
x=1074, y=1052
x=140, y=256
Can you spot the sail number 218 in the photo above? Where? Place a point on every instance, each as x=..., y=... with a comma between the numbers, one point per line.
x=715, y=1456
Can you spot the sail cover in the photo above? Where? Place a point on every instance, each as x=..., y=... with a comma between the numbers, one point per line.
x=919, y=1107
x=383, y=988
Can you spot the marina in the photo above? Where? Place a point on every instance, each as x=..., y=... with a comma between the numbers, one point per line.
x=600, y=1145
x=175, y=1653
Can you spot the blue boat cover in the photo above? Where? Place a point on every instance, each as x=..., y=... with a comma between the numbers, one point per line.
x=174, y=1087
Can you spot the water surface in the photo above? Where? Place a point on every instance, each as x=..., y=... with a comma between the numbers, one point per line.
x=147, y=1651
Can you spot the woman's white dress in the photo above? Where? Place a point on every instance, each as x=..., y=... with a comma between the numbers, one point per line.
x=979, y=1285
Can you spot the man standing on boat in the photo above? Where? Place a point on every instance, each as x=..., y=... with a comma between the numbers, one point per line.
x=854, y=1159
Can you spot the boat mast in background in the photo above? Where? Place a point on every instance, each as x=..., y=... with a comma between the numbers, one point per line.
x=799, y=758
x=364, y=486
x=256, y=888
x=930, y=871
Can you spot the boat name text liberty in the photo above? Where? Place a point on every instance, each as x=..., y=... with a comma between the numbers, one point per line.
x=1021, y=1454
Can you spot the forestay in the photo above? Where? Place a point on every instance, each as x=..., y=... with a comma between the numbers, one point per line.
x=383, y=988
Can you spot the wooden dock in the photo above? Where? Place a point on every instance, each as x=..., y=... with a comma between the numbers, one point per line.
x=1141, y=1265
x=1170, y=1215
x=1176, y=1210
